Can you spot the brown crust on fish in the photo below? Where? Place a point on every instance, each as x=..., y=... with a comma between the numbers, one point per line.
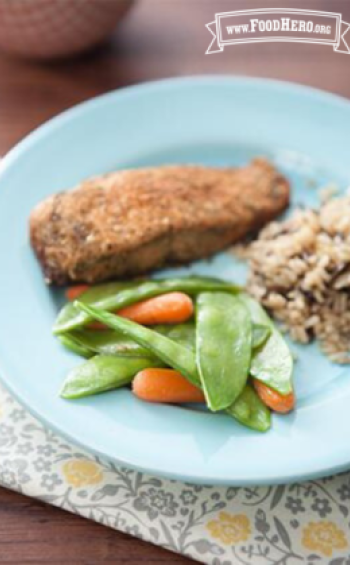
x=129, y=222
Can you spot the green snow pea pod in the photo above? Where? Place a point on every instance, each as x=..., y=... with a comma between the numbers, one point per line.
x=111, y=342
x=69, y=319
x=170, y=352
x=260, y=335
x=73, y=345
x=272, y=363
x=185, y=334
x=69, y=316
x=107, y=342
x=174, y=355
x=250, y=411
x=223, y=347
x=102, y=373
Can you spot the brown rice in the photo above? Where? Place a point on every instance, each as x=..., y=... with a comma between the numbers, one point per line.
x=300, y=271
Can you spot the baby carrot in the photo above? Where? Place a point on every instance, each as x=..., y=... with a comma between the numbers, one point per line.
x=273, y=399
x=73, y=292
x=165, y=385
x=170, y=308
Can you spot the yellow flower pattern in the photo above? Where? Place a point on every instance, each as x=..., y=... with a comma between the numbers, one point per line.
x=220, y=521
x=82, y=473
x=324, y=537
x=230, y=528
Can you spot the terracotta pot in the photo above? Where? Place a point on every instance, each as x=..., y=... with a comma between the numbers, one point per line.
x=46, y=29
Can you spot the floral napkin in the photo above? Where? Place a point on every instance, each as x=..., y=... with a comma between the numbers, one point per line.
x=278, y=525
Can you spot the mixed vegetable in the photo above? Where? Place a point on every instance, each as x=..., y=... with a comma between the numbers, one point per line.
x=178, y=340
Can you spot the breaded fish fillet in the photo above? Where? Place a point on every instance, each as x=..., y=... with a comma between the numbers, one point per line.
x=130, y=222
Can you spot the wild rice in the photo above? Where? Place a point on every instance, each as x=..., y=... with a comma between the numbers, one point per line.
x=300, y=271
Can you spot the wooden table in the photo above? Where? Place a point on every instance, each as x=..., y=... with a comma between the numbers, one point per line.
x=160, y=38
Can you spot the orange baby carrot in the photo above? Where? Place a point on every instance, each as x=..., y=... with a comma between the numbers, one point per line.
x=165, y=385
x=73, y=292
x=171, y=308
x=274, y=400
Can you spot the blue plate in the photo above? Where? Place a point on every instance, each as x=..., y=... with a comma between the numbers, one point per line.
x=215, y=121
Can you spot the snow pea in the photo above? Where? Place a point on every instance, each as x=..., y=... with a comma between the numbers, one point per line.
x=87, y=342
x=170, y=352
x=108, y=342
x=272, y=363
x=73, y=345
x=185, y=334
x=260, y=335
x=111, y=342
x=102, y=373
x=181, y=359
x=69, y=318
x=181, y=333
x=223, y=347
x=250, y=411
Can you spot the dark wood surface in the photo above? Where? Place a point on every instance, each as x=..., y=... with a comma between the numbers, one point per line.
x=160, y=38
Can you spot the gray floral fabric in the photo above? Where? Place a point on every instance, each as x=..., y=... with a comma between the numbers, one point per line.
x=277, y=525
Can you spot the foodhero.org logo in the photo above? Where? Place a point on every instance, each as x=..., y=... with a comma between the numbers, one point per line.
x=284, y=24
x=273, y=24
